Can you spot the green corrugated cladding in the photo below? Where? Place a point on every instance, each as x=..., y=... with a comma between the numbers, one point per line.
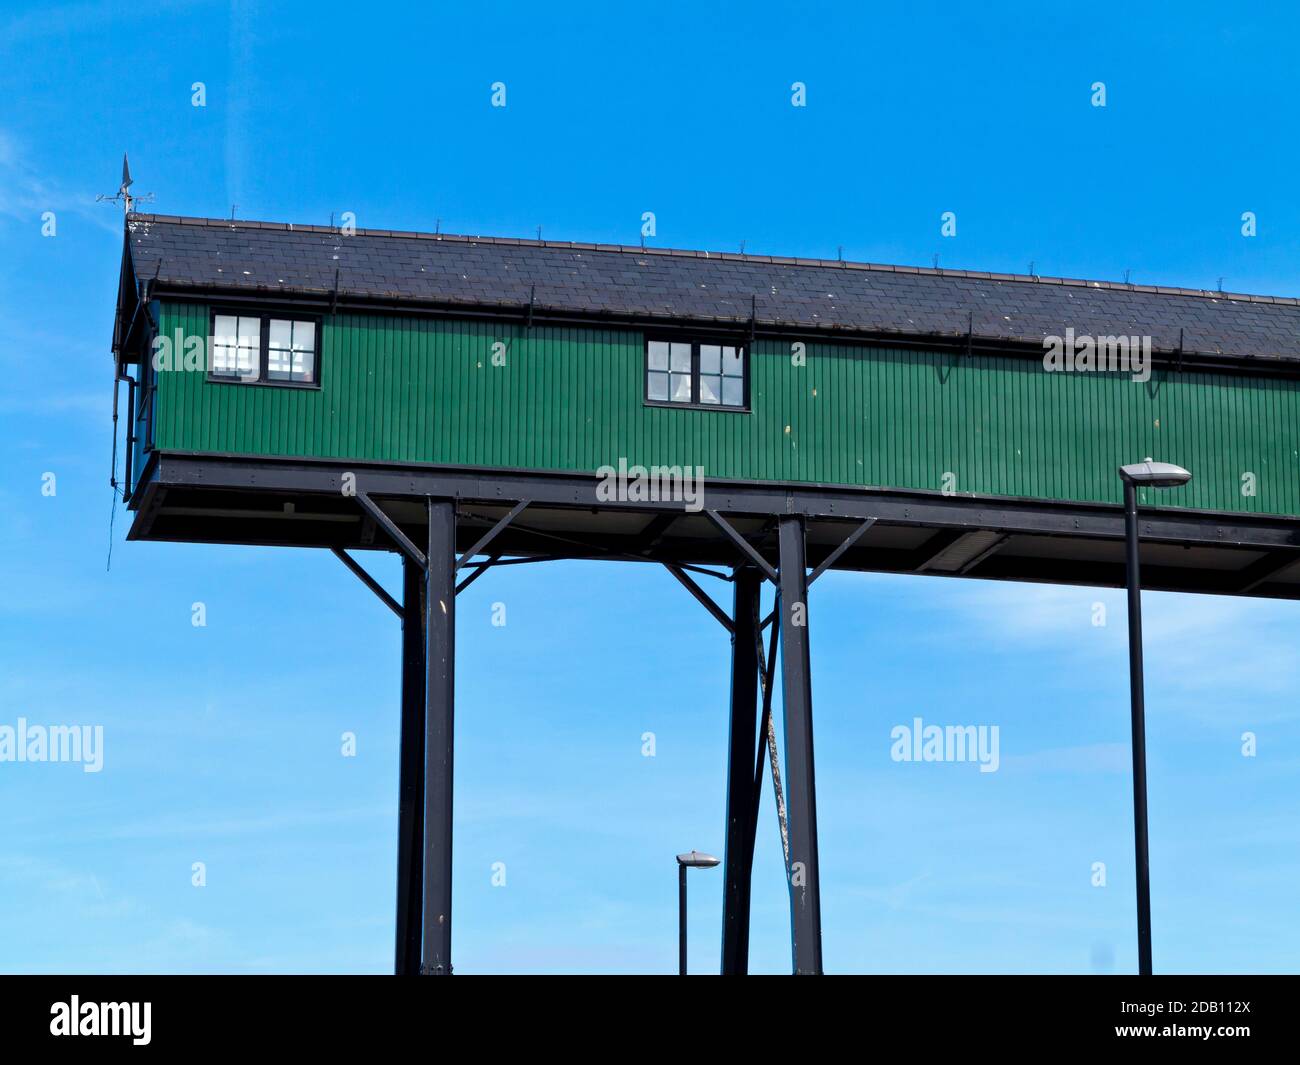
x=403, y=389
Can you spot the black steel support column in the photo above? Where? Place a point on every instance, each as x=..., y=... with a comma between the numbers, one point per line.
x=410, y=822
x=439, y=715
x=1138, y=714
x=739, y=855
x=801, y=799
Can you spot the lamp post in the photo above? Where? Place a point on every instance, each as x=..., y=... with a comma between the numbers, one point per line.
x=1144, y=474
x=691, y=860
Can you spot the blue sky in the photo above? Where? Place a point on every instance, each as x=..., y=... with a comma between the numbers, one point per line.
x=222, y=743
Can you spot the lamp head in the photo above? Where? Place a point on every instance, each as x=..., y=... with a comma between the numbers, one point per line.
x=1149, y=474
x=697, y=860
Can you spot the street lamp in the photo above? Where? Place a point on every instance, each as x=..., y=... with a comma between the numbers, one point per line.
x=691, y=860
x=1144, y=474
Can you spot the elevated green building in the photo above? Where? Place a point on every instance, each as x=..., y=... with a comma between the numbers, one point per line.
x=477, y=401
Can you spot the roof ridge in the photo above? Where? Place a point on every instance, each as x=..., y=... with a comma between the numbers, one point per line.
x=775, y=260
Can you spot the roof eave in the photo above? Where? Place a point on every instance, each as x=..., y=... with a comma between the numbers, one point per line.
x=329, y=300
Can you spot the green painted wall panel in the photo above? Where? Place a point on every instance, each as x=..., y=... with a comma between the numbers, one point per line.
x=404, y=389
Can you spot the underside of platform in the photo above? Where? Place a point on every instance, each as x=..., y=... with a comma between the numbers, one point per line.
x=295, y=502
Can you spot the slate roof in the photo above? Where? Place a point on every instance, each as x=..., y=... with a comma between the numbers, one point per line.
x=600, y=280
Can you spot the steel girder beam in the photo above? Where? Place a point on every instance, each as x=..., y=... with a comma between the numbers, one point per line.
x=972, y=564
x=492, y=533
x=746, y=549
x=1272, y=565
x=400, y=538
x=738, y=862
x=929, y=551
x=410, y=820
x=844, y=546
x=439, y=722
x=368, y=580
x=823, y=502
x=478, y=570
x=801, y=798
x=701, y=596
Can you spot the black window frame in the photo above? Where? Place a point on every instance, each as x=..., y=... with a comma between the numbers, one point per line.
x=695, y=342
x=264, y=317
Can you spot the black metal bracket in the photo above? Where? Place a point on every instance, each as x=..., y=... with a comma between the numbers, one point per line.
x=746, y=549
x=1265, y=569
x=834, y=556
x=389, y=526
x=367, y=580
x=479, y=570
x=700, y=594
x=988, y=552
x=491, y=534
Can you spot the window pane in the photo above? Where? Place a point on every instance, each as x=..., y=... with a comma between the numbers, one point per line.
x=710, y=388
x=250, y=332
x=304, y=336
x=225, y=329
x=682, y=358
x=681, y=387
x=710, y=358
x=658, y=356
x=277, y=364
x=281, y=333
x=733, y=391
x=657, y=383
x=304, y=365
x=223, y=358
x=733, y=362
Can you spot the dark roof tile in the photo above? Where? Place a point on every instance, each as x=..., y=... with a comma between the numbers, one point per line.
x=703, y=286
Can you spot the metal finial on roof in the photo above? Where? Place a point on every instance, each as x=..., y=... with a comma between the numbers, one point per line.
x=123, y=194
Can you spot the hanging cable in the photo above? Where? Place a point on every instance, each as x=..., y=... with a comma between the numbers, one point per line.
x=767, y=679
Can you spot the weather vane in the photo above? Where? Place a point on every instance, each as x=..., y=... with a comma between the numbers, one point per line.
x=124, y=196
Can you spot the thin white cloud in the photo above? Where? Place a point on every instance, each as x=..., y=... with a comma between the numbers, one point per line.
x=1218, y=654
x=28, y=195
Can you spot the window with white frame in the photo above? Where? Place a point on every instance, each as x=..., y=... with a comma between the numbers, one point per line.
x=695, y=374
